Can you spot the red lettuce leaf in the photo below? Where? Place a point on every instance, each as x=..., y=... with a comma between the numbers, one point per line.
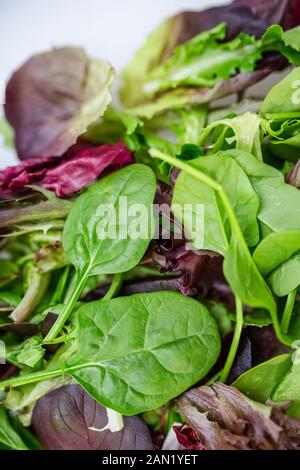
x=284, y=12
x=62, y=420
x=52, y=99
x=224, y=419
x=79, y=167
x=187, y=438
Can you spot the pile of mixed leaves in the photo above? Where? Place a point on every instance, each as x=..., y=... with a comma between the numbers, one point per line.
x=105, y=338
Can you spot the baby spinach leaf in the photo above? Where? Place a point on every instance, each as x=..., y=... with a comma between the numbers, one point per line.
x=276, y=248
x=286, y=277
x=99, y=238
x=136, y=353
x=279, y=202
x=82, y=242
x=260, y=382
x=239, y=268
x=189, y=190
x=279, y=101
x=289, y=386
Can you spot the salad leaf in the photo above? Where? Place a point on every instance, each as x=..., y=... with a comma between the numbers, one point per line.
x=173, y=342
x=69, y=419
x=203, y=61
x=48, y=119
x=97, y=241
x=260, y=382
x=175, y=335
x=286, y=277
x=190, y=96
x=9, y=438
x=240, y=16
x=81, y=165
x=226, y=172
x=223, y=418
x=276, y=248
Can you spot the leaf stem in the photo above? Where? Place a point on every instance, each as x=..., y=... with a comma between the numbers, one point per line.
x=288, y=311
x=114, y=287
x=67, y=309
x=42, y=375
x=235, y=340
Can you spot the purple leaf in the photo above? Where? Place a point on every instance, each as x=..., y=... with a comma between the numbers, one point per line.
x=53, y=98
x=224, y=419
x=80, y=166
x=62, y=420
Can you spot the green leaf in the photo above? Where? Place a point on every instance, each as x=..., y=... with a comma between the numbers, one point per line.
x=9, y=271
x=29, y=353
x=188, y=190
x=281, y=101
x=279, y=202
x=239, y=268
x=286, y=277
x=87, y=251
x=202, y=61
x=289, y=386
x=260, y=382
x=8, y=436
x=108, y=229
x=136, y=353
x=276, y=248
x=244, y=135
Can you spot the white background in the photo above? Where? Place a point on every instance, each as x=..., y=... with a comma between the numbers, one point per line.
x=107, y=29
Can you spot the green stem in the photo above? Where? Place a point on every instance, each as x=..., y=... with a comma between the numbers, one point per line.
x=288, y=311
x=235, y=340
x=41, y=376
x=67, y=309
x=114, y=287
x=234, y=224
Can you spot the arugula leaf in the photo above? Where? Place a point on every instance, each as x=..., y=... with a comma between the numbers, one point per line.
x=85, y=237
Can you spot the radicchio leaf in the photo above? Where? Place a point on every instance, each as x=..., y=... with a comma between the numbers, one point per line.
x=80, y=166
x=224, y=419
x=53, y=98
x=63, y=419
x=187, y=438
